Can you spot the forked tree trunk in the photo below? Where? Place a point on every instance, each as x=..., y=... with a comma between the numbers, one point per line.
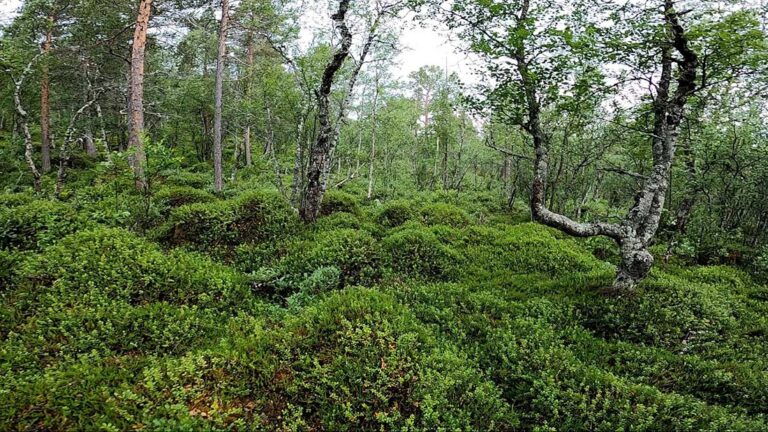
x=64, y=150
x=218, y=181
x=635, y=232
x=137, y=157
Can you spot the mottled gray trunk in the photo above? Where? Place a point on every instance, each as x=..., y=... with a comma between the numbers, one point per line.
x=635, y=232
x=320, y=154
x=24, y=122
x=64, y=150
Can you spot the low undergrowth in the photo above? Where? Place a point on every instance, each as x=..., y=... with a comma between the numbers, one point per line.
x=436, y=312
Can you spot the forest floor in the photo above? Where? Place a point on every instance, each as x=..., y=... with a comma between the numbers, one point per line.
x=442, y=311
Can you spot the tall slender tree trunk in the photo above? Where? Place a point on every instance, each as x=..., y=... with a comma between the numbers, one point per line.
x=298, y=161
x=372, y=158
x=103, y=130
x=137, y=158
x=247, y=130
x=218, y=181
x=320, y=156
x=45, y=105
x=90, y=143
x=24, y=121
x=247, y=146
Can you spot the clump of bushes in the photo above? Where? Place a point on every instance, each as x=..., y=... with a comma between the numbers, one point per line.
x=395, y=213
x=263, y=216
x=118, y=265
x=177, y=196
x=524, y=248
x=8, y=200
x=444, y=214
x=356, y=360
x=206, y=226
x=335, y=201
x=9, y=262
x=670, y=312
x=355, y=254
x=603, y=248
x=110, y=328
x=250, y=218
x=417, y=252
x=37, y=224
x=189, y=179
x=554, y=373
x=337, y=221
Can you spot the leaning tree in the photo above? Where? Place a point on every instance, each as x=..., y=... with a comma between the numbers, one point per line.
x=546, y=56
x=375, y=15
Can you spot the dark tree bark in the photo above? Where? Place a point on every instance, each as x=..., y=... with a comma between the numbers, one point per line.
x=634, y=233
x=218, y=181
x=136, y=98
x=320, y=155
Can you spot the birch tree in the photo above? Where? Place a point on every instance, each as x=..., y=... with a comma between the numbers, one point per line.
x=547, y=55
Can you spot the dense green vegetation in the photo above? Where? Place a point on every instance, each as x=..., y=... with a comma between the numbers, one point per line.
x=242, y=215
x=436, y=312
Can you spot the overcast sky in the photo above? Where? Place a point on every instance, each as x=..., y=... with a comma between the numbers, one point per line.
x=423, y=46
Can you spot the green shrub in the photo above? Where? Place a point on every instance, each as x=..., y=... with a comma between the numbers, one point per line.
x=115, y=264
x=722, y=276
x=552, y=388
x=189, y=179
x=759, y=265
x=37, y=224
x=669, y=312
x=335, y=201
x=8, y=200
x=113, y=328
x=536, y=354
x=723, y=383
x=321, y=280
x=250, y=218
x=524, y=248
x=207, y=226
x=177, y=196
x=263, y=215
x=73, y=397
x=9, y=261
x=445, y=214
x=337, y=221
x=356, y=360
x=395, y=213
x=356, y=255
x=415, y=252
x=603, y=248
x=249, y=257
